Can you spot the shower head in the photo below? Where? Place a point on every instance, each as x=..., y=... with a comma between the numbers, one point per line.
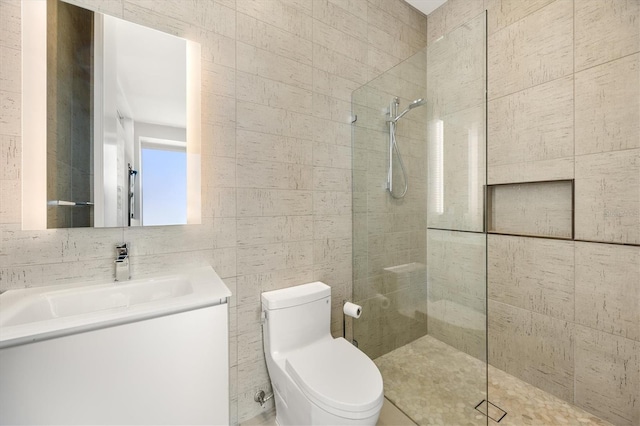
x=412, y=105
x=417, y=103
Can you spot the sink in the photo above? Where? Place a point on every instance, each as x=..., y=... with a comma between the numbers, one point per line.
x=50, y=311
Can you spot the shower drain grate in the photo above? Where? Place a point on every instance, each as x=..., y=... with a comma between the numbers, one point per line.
x=494, y=412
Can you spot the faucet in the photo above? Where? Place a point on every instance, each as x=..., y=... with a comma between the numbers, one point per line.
x=123, y=272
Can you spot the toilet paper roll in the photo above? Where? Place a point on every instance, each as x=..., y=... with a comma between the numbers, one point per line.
x=352, y=310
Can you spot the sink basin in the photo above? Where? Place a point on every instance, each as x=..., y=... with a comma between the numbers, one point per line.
x=51, y=311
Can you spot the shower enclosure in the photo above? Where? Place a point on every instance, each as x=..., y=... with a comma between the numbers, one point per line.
x=419, y=240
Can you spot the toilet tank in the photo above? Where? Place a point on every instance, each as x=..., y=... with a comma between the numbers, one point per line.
x=296, y=316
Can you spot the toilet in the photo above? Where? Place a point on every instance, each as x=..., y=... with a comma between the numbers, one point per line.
x=316, y=379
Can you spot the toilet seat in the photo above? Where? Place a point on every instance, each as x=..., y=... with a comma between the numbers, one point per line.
x=337, y=377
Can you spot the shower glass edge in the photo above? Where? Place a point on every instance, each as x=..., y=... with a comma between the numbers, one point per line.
x=419, y=262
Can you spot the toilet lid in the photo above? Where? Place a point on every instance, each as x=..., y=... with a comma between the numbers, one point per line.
x=335, y=374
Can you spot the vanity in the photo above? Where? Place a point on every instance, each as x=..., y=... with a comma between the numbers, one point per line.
x=146, y=351
x=106, y=104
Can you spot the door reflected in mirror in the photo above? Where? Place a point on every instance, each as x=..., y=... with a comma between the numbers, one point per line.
x=122, y=121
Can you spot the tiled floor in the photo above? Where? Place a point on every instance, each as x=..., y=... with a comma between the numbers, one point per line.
x=389, y=416
x=435, y=384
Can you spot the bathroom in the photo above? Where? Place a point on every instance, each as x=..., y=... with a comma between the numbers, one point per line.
x=280, y=81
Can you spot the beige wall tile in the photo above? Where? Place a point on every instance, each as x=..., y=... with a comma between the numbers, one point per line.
x=457, y=268
x=10, y=104
x=10, y=197
x=533, y=125
x=332, y=202
x=333, y=85
x=502, y=13
x=332, y=250
x=218, y=79
x=450, y=16
x=274, y=121
x=336, y=63
x=329, y=155
x=273, y=39
x=535, y=348
x=110, y=7
x=607, y=376
x=265, y=202
x=607, y=197
x=331, y=179
x=456, y=71
x=536, y=209
x=608, y=288
x=543, y=170
x=331, y=108
x=10, y=69
x=608, y=106
x=255, y=146
x=337, y=40
x=263, y=258
x=256, y=89
x=532, y=273
x=267, y=229
x=10, y=30
x=605, y=30
x=279, y=13
x=336, y=17
x=272, y=175
x=264, y=63
x=521, y=56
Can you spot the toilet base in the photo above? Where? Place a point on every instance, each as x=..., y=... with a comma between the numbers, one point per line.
x=300, y=411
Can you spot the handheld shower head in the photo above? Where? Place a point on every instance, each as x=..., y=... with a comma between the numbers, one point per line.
x=417, y=103
x=412, y=105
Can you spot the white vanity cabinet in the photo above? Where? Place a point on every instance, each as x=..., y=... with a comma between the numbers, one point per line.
x=158, y=368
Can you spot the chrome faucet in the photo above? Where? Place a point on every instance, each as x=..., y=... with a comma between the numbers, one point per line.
x=123, y=272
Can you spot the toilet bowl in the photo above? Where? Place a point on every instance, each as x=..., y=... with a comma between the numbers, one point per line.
x=316, y=379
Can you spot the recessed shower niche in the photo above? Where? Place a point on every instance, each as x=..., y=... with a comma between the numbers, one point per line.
x=538, y=209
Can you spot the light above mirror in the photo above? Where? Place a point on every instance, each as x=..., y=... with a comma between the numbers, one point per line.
x=111, y=121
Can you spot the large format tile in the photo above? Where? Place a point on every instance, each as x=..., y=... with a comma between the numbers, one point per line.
x=535, y=348
x=605, y=30
x=532, y=125
x=608, y=376
x=450, y=16
x=607, y=197
x=608, y=288
x=521, y=56
x=534, y=171
x=532, y=273
x=608, y=106
x=502, y=13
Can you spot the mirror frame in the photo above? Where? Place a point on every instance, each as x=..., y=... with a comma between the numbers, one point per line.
x=34, y=121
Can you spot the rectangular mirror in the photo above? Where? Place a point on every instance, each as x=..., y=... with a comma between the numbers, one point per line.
x=111, y=121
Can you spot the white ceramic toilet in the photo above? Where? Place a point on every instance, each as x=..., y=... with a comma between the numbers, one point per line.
x=316, y=379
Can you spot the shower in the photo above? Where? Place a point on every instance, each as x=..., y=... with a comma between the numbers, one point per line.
x=393, y=146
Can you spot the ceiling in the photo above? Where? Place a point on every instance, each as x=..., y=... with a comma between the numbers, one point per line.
x=426, y=6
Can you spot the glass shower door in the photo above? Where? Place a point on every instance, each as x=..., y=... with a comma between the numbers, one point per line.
x=420, y=260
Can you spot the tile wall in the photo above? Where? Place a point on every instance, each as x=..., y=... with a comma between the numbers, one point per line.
x=564, y=103
x=277, y=82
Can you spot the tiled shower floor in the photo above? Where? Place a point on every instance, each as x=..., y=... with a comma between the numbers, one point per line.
x=435, y=384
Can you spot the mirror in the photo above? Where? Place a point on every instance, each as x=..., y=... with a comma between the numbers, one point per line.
x=111, y=121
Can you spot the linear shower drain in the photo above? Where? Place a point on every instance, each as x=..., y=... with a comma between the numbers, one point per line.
x=495, y=413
